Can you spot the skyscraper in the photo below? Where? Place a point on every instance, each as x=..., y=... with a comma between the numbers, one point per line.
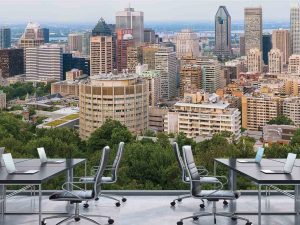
x=149, y=36
x=130, y=19
x=75, y=42
x=222, y=33
x=187, y=43
x=281, y=41
x=5, y=38
x=253, y=29
x=267, y=46
x=11, y=62
x=46, y=35
x=32, y=37
x=101, y=49
x=211, y=76
x=242, y=45
x=86, y=42
x=124, y=40
x=295, y=29
x=165, y=63
x=44, y=63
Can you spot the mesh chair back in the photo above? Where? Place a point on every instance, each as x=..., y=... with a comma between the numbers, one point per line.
x=117, y=161
x=191, y=170
x=180, y=161
x=102, y=166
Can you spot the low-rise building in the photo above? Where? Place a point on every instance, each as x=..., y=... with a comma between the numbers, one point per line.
x=278, y=134
x=156, y=118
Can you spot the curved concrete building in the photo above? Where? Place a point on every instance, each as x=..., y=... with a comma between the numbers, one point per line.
x=122, y=97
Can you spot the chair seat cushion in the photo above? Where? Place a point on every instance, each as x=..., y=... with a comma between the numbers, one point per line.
x=90, y=180
x=216, y=195
x=72, y=196
x=206, y=180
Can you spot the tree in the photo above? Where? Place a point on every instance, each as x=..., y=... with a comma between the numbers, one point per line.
x=281, y=120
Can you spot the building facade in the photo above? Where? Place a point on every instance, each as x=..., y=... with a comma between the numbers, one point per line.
x=281, y=41
x=295, y=29
x=44, y=63
x=291, y=109
x=130, y=19
x=121, y=97
x=124, y=40
x=75, y=42
x=222, y=33
x=11, y=62
x=276, y=61
x=267, y=46
x=253, y=29
x=187, y=43
x=254, y=61
x=166, y=65
x=5, y=37
x=102, y=49
x=211, y=76
x=32, y=37
x=294, y=64
x=190, y=79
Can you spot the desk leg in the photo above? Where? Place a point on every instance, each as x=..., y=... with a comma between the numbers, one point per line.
x=2, y=199
x=40, y=204
x=70, y=179
x=297, y=204
x=259, y=204
x=232, y=187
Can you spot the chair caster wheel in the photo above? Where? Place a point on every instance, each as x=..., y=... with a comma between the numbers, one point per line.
x=96, y=199
x=179, y=200
x=233, y=218
x=225, y=202
x=173, y=203
x=195, y=218
x=43, y=223
x=118, y=204
x=86, y=205
x=111, y=221
x=202, y=206
x=180, y=223
x=77, y=219
x=248, y=223
x=124, y=199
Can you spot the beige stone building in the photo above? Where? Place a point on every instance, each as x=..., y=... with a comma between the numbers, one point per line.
x=190, y=78
x=32, y=37
x=281, y=41
x=65, y=88
x=204, y=118
x=276, y=61
x=187, y=42
x=75, y=42
x=156, y=118
x=254, y=61
x=258, y=110
x=294, y=64
x=291, y=109
x=73, y=74
x=122, y=97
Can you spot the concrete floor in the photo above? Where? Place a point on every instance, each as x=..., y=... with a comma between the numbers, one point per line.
x=152, y=210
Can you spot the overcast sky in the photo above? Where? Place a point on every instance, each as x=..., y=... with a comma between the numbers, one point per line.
x=66, y=11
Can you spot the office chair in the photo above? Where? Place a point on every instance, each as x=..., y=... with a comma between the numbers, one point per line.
x=108, y=180
x=210, y=195
x=80, y=195
x=185, y=178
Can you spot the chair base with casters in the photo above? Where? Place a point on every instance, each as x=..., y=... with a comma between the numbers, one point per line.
x=215, y=214
x=77, y=217
x=180, y=198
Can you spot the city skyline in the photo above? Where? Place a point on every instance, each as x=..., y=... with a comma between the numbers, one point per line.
x=46, y=11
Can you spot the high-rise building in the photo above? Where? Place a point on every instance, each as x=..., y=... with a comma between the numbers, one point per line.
x=258, y=110
x=254, y=61
x=44, y=63
x=281, y=41
x=102, y=49
x=253, y=29
x=149, y=55
x=267, y=46
x=166, y=64
x=75, y=42
x=122, y=97
x=295, y=29
x=46, y=35
x=222, y=33
x=124, y=40
x=294, y=64
x=5, y=37
x=149, y=36
x=187, y=43
x=86, y=42
x=275, y=61
x=32, y=37
x=130, y=19
x=134, y=58
x=11, y=62
x=211, y=76
x=190, y=76
x=242, y=45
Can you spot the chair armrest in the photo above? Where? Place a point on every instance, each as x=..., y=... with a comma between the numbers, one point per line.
x=73, y=185
x=86, y=180
x=202, y=171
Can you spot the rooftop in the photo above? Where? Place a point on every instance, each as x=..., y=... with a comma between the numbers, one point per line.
x=152, y=209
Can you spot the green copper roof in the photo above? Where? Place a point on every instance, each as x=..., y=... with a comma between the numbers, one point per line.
x=101, y=29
